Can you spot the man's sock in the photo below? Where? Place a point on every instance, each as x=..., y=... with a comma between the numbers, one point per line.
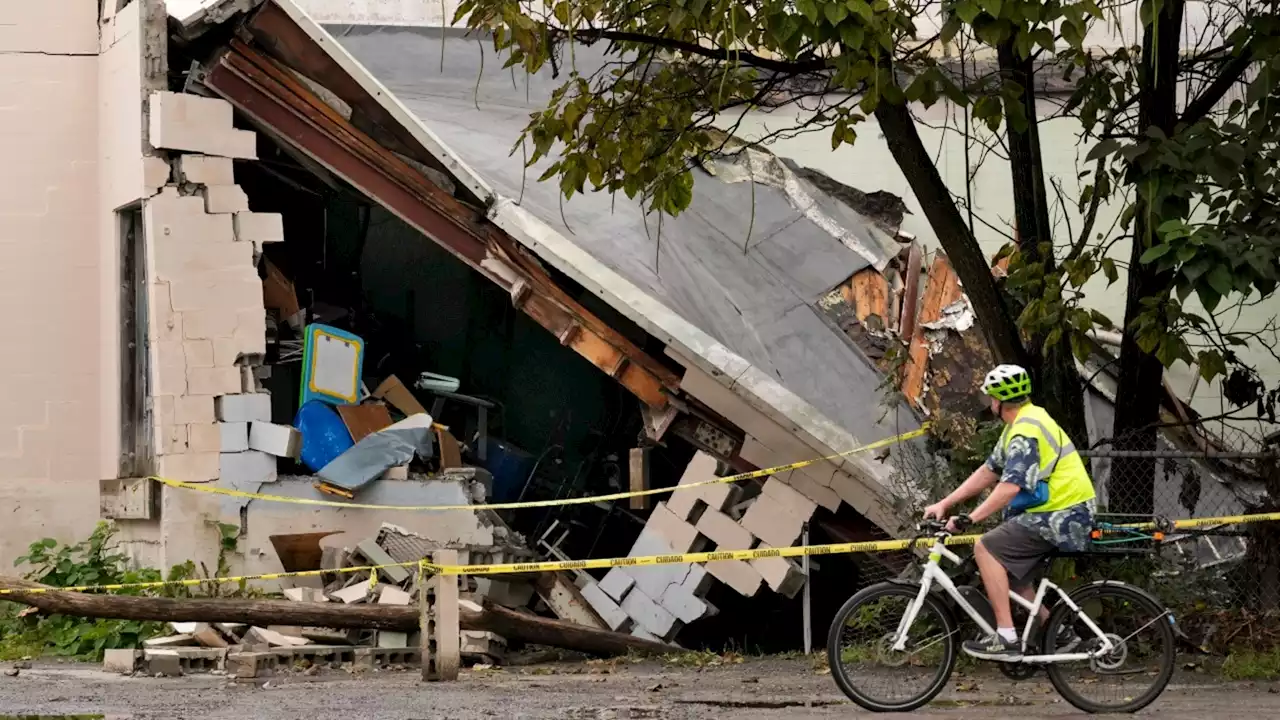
x=1007, y=634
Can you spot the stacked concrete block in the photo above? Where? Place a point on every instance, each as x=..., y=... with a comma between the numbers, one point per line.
x=206, y=309
x=687, y=504
x=812, y=481
x=782, y=575
x=649, y=614
x=607, y=607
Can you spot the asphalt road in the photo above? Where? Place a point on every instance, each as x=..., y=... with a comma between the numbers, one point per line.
x=768, y=689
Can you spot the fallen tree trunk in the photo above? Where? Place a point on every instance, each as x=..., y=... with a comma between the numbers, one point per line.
x=503, y=621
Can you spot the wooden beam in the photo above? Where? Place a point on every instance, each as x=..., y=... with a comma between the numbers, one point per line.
x=639, y=477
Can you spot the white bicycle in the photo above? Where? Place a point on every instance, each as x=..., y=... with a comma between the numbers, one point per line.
x=893, y=645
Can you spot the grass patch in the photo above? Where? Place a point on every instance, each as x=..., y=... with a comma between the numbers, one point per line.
x=1252, y=665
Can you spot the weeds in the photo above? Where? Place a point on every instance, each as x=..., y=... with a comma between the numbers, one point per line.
x=96, y=561
x=1252, y=665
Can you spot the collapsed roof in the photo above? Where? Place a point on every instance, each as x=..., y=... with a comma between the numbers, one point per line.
x=730, y=287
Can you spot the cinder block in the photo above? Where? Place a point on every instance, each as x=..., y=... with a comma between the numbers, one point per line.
x=504, y=592
x=608, y=610
x=724, y=531
x=121, y=661
x=213, y=381
x=193, y=123
x=206, y=170
x=643, y=634
x=279, y=440
x=736, y=574
x=168, y=369
x=772, y=523
x=701, y=468
x=229, y=290
x=351, y=595
x=234, y=437
x=684, y=605
x=392, y=595
x=654, y=579
x=680, y=535
x=699, y=582
x=720, y=496
x=173, y=438
x=851, y=491
x=193, y=409
x=616, y=583
x=209, y=325
x=190, y=467
x=199, y=353
x=392, y=639
x=204, y=437
x=788, y=497
x=225, y=353
x=255, y=227
x=782, y=448
x=249, y=407
x=246, y=665
x=164, y=664
x=305, y=594
x=251, y=330
x=224, y=199
x=782, y=575
x=247, y=469
x=155, y=173
x=648, y=614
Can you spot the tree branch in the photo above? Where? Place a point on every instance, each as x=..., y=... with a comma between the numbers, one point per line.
x=588, y=37
x=1217, y=89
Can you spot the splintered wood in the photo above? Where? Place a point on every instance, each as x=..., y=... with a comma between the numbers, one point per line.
x=941, y=289
x=867, y=292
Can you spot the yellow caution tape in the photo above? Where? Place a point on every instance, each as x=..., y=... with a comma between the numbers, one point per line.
x=685, y=558
x=199, y=487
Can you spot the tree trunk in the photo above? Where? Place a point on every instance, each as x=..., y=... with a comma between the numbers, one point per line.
x=508, y=623
x=995, y=320
x=1141, y=383
x=1056, y=380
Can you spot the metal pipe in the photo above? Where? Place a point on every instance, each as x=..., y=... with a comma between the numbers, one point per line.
x=808, y=596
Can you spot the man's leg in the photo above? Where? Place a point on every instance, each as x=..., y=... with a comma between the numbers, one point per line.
x=1010, y=550
x=995, y=578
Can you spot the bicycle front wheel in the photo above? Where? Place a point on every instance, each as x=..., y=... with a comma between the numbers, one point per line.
x=1134, y=673
x=864, y=663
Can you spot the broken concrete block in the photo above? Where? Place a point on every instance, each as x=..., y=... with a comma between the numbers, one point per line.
x=680, y=535
x=232, y=630
x=357, y=593
x=225, y=199
x=248, y=407
x=121, y=661
x=206, y=170
x=654, y=579
x=788, y=497
x=164, y=665
x=782, y=575
x=171, y=641
x=259, y=227
x=648, y=614
x=684, y=605
x=271, y=638
x=377, y=556
x=392, y=595
x=193, y=123
x=305, y=594
x=247, y=469
x=208, y=636
x=482, y=642
x=699, y=581
x=616, y=583
x=614, y=616
x=251, y=664
x=278, y=440
x=506, y=593
x=820, y=494
x=770, y=521
x=738, y=575
x=724, y=531
x=233, y=437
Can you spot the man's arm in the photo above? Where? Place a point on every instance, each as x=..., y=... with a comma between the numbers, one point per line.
x=981, y=479
x=995, y=502
x=1021, y=472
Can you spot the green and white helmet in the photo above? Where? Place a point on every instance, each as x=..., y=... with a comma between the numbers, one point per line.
x=1007, y=382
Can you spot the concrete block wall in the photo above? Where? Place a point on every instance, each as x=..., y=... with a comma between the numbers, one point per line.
x=207, y=321
x=658, y=600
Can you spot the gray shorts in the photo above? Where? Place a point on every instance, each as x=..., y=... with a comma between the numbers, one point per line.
x=1019, y=549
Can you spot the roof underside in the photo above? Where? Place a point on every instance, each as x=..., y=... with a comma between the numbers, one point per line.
x=759, y=303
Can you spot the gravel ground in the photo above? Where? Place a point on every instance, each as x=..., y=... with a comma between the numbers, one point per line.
x=768, y=689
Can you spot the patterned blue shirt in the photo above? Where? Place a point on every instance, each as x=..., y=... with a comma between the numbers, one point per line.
x=1067, y=529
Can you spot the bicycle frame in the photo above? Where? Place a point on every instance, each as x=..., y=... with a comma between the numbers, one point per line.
x=933, y=573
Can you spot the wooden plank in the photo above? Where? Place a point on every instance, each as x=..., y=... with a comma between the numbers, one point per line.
x=869, y=294
x=639, y=477
x=364, y=420
x=911, y=292
x=450, y=451
x=941, y=285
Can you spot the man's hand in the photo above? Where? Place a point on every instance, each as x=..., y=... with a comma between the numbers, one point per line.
x=936, y=511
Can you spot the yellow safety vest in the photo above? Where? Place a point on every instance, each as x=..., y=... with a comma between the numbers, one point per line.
x=1061, y=467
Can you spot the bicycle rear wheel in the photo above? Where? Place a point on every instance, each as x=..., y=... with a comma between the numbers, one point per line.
x=866, y=667
x=1131, y=676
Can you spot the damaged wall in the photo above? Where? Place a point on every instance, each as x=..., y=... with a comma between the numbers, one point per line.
x=51, y=413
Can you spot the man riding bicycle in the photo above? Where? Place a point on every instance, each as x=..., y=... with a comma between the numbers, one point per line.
x=1047, y=497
